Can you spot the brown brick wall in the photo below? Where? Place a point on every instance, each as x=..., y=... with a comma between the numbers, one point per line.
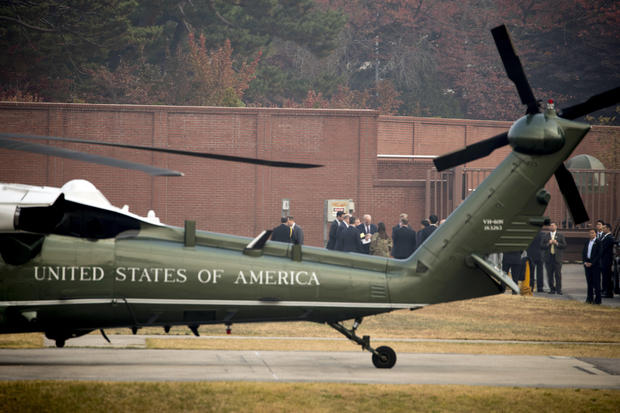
x=244, y=199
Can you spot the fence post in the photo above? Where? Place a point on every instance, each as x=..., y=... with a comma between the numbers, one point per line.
x=427, y=193
x=457, y=187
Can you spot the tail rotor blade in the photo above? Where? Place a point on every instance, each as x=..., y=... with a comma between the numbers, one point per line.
x=571, y=195
x=471, y=153
x=513, y=67
x=596, y=102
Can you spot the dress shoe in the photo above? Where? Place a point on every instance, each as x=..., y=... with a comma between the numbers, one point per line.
x=559, y=292
x=589, y=301
x=551, y=292
x=608, y=296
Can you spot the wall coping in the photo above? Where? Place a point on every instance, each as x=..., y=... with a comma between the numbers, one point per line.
x=185, y=109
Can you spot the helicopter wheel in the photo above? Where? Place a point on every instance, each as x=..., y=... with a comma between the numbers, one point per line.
x=60, y=343
x=385, y=358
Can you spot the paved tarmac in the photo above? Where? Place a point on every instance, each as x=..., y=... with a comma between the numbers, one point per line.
x=130, y=361
x=574, y=287
x=304, y=366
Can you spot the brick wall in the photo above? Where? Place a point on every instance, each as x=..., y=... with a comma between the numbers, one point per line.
x=221, y=196
x=239, y=198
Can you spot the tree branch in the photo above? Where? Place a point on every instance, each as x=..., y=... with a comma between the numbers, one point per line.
x=217, y=13
x=30, y=26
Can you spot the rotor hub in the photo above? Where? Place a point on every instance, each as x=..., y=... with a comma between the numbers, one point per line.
x=537, y=134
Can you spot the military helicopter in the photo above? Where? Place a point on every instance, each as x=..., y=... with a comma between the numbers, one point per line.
x=73, y=263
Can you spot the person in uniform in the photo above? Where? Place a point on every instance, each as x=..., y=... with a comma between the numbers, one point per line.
x=381, y=243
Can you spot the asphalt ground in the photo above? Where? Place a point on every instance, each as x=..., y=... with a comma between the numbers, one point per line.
x=574, y=287
x=303, y=366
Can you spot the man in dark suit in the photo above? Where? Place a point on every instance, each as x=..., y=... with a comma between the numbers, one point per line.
x=404, y=240
x=511, y=261
x=395, y=227
x=351, y=240
x=420, y=236
x=607, y=258
x=367, y=228
x=333, y=230
x=599, y=228
x=342, y=228
x=428, y=230
x=553, y=244
x=591, y=256
x=536, y=263
x=281, y=232
x=297, y=234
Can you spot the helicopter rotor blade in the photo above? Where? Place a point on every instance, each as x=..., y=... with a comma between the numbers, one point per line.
x=254, y=161
x=569, y=190
x=81, y=156
x=471, y=152
x=594, y=103
x=513, y=67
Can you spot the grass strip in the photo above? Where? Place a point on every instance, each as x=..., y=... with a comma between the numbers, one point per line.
x=56, y=396
x=29, y=340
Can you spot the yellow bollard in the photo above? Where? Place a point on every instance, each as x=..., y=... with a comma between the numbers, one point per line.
x=525, y=284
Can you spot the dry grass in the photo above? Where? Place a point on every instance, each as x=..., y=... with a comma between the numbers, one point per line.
x=500, y=317
x=36, y=396
x=29, y=340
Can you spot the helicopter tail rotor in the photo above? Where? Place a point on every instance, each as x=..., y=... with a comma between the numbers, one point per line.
x=594, y=103
x=471, y=152
x=514, y=70
x=569, y=190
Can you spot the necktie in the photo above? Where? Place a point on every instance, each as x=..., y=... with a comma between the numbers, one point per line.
x=290, y=233
x=552, y=245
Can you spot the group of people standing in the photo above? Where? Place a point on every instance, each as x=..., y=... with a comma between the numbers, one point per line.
x=350, y=234
x=598, y=255
x=288, y=231
x=548, y=249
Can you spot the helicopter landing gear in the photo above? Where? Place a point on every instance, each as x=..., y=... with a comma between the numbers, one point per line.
x=386, y=358
x=383, y=357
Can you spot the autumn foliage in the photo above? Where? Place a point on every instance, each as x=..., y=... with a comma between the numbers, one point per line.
x=215, y=81
x=406, y=57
